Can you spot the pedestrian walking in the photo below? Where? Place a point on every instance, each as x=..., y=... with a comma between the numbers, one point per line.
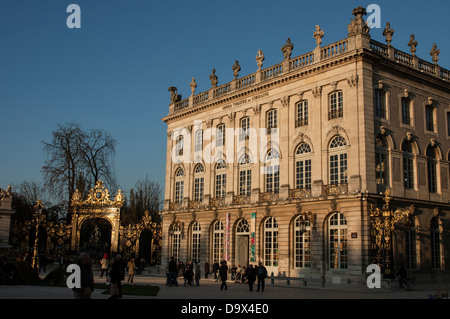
x=223, y=273
x=251, y=276
x=114, y=279
x=216, y=267
x=104, y=265
x=131, y=270
x=173, y=272
x=261, y=273
x=87, y=278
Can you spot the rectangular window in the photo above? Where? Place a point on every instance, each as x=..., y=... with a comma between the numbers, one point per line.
x=198, y=189
x=381, y=168
x=218, y=246
x=245, y=182
x=271, y=120
x=448, y=124
x=406, y=111
x=221, y=185
x=302, y=249
x=220, y=135
x=302, y=114
x=178, y=192
x=336, y=103
x=196, y=247
x=273, y=179
x=303, y=174
x=429, y=118
x=245, y=129
x=432, y=181
x=338, y=169
x=380, y=104
x=198, y=141
x=408, y=172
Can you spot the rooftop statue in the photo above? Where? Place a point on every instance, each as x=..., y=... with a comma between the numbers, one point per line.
x=287, y=49
x=213, y=78
x=358, y=25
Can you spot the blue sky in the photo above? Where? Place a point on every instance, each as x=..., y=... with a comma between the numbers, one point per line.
x=114, y=72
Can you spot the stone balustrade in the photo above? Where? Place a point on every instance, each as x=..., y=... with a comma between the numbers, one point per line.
x=320, y=54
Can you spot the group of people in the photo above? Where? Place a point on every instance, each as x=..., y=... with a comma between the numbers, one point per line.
x=239, y=274
x=190, y=272
x=113, y=268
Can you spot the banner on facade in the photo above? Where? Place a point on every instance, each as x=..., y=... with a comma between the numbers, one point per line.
x=252, y=237
x=227, y=236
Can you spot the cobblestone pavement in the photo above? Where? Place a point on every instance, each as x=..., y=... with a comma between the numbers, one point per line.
x=210, y=289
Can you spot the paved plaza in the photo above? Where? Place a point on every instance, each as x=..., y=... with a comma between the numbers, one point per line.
x=210, y=289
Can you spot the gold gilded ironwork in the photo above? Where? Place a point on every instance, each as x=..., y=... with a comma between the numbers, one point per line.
x=383, y=222
x=98, y=197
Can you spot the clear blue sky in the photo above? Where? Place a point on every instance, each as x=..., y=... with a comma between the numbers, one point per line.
x=114, y=72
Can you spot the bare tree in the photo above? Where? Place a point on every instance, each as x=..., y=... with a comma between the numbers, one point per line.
x=76, y=157
x=63, y=163
x=97, y=149
x=145, y=196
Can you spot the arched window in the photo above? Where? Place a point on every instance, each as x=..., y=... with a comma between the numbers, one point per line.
x=435, y=236
x=337, y=241
x=195, y=242
x=178, y=192
x=218, y=241
x=338, y=160
x=272, y=171
x=245, y=175
x=242, y=227
x=199, y=180
x=303, y=166
x=381, y=161
x=271, y=242
x=176, y=242
x=302, y=244
x=431, y=168
x=408, y=165
x=221, y=179
x=336, y=105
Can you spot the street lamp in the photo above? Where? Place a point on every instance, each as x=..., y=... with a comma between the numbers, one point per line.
x=38, y=218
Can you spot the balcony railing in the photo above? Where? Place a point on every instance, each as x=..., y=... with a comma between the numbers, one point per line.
x=335, y=189
x=299, y=193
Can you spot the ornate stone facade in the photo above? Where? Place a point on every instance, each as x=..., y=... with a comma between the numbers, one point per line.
x=352, y=119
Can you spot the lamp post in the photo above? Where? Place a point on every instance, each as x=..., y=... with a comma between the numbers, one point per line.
x=38, y=218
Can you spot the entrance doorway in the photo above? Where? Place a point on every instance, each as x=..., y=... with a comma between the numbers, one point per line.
x=242, y=242
x=95, y=238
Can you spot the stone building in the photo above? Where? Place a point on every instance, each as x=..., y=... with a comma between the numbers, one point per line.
x=5, y=219
x=292, y=165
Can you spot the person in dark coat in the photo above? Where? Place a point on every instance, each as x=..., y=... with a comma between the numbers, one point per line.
x=251, y=276
x=87, y=278
x=114, y=278
x=223, y=273
x=261, y=273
